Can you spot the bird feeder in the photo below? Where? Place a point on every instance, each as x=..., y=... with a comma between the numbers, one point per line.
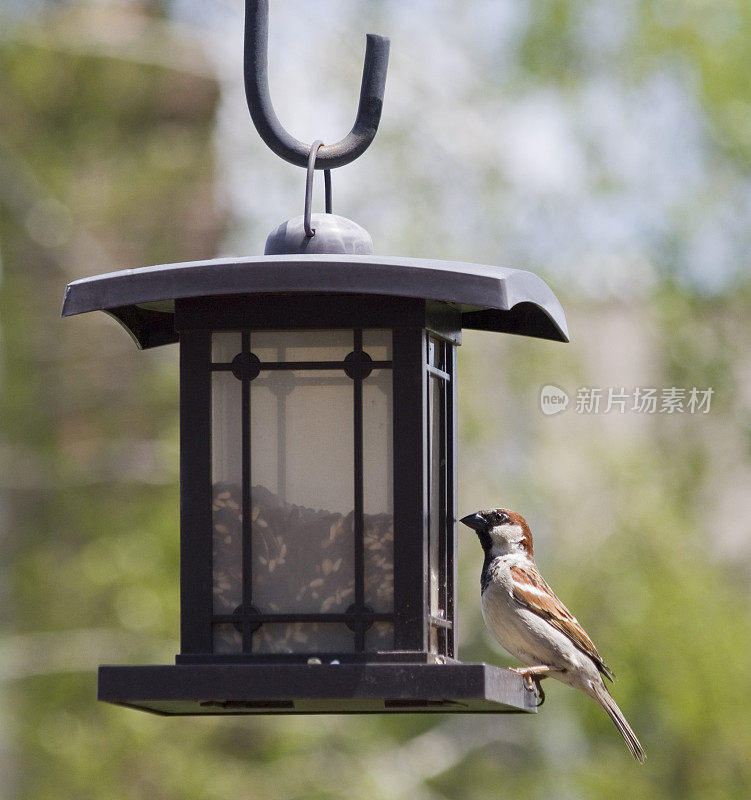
x=318, y=454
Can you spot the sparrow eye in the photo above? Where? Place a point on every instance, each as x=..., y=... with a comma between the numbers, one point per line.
x=501, y=518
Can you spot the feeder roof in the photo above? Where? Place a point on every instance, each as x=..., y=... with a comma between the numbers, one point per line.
x=490, y=298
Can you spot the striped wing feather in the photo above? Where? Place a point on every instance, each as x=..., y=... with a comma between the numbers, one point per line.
x=531, y=590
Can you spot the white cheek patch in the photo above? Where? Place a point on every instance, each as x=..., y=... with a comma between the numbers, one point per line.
x=505, y=535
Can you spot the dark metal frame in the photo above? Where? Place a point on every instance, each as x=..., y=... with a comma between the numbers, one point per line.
x=208, y=689
x=187, y=302
x=411, y=324
x=143, y=300
x=229, y=296
x=195, y=491
x=442, y=639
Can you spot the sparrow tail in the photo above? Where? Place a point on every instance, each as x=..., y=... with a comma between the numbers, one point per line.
x=601, y=694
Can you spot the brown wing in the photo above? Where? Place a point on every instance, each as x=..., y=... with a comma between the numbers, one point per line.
x=531, y=590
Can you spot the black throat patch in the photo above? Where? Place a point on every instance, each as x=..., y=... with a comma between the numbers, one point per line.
x=486, y=543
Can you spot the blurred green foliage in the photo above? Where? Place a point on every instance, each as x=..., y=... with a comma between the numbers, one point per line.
x=107, y=164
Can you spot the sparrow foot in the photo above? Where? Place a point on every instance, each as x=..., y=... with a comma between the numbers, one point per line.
x=538, y=672
x=532, y=677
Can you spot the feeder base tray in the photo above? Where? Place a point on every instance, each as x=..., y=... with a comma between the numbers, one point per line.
x=195, y=689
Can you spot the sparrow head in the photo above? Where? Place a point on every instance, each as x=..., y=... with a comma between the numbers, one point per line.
x=501, y=531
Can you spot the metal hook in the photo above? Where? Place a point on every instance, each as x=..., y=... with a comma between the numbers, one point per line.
x=356, y=142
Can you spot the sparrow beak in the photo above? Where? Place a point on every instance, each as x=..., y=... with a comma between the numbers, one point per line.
x=474, y=521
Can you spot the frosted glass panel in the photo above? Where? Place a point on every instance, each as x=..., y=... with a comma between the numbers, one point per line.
x=302, y=469
x=302, y=345
x=377, y=344
x=302, y=558
x=303, y=637
x=227, y=639
x=436, y=529
x=378, y=442
x=380, y=636
x=435, y=353
x=302, y=441
x=301, y=473
x=225, y=346
x=379, y=562
x=378, y=490
x=226, y=429
x=226, y=445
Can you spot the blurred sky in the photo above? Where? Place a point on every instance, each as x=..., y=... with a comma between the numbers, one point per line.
x=600, y=183
x=595, y=183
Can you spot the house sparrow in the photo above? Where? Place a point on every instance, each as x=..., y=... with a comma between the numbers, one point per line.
x=530, y=622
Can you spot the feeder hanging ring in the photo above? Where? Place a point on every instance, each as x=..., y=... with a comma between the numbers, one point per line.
x=314, y=148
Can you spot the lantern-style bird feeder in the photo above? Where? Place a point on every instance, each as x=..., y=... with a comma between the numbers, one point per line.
x=318, y=454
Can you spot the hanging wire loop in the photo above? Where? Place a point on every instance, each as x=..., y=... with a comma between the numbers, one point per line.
x=356, y=142
x=310, y=232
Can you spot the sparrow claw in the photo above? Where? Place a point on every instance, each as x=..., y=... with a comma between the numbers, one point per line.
x=532, y=683
x=540, y=692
